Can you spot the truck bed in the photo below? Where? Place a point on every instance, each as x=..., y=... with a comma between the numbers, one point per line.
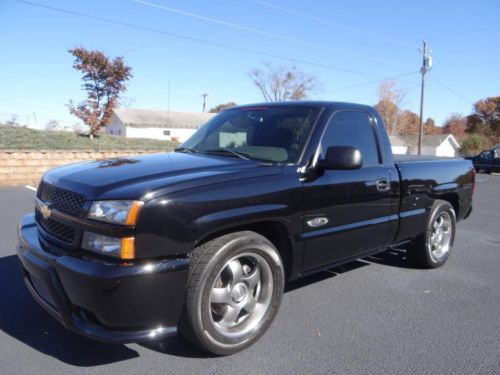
x=416, y=158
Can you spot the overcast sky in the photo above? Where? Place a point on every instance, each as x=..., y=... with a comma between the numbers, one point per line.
x=209, y=47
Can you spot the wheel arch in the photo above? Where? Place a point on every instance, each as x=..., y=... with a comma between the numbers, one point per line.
x=276, y=232
x=453, y=199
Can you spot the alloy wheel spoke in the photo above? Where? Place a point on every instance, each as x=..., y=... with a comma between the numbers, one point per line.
x=220, y=295
x=440, y=222
x=250, y=304
x=230, y=317
x=253, y=279
x=236, y=271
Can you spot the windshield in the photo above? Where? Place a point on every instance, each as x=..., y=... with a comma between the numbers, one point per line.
x=275, y=133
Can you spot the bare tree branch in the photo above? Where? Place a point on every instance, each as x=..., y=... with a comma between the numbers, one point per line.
x=279, y=83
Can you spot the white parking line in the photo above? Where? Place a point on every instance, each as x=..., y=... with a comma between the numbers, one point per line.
x=29, y=187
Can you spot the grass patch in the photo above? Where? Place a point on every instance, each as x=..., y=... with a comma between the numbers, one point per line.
x=14, y=138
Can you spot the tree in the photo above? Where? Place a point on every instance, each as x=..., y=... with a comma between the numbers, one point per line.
x=282, y=83
x=104, y=80
x=455, y=124
x=431, y=128
x=390, y=100
x=409, y=123
x=222, y=107
x=485, y=118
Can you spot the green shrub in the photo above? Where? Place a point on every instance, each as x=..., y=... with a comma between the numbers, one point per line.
x=474, y=143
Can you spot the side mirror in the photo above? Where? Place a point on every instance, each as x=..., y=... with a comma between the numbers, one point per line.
x=341, y=157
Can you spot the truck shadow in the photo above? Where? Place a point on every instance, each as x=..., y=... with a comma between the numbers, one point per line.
x=394, y=258
x=391, y=257
x=23, y=319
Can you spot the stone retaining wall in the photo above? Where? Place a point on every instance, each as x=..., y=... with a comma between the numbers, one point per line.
x=25, y=167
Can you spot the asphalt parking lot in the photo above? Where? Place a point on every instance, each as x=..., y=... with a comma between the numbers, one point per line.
x=373, y=316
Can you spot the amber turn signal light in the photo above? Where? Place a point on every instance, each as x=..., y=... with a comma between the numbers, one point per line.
x=128, y=248
x=133, y=213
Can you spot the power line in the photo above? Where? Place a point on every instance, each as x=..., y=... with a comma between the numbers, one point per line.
x=371, y=82
x=406, y=90
x=197, y=40
x=330, y=23
x=452, y=91
x=469, y=32
x=258, y=31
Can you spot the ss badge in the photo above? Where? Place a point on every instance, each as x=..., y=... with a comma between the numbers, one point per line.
x=317, y=222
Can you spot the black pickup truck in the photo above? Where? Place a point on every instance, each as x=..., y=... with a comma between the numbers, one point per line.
x=203, y=240
x=487, y=161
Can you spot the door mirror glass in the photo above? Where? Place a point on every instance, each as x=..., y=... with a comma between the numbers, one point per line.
x=341, y=157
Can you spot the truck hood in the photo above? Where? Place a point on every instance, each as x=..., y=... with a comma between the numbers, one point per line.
x=148, y=176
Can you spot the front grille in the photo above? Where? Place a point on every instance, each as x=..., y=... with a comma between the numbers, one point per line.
x=65, y=201
x=57, y=229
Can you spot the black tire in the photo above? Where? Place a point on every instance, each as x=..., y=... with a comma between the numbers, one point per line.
x=208, y=324
x=423, y=251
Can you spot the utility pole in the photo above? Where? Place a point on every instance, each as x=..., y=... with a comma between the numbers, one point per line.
x=168, y=102
x=204, y=101
x=426, y=66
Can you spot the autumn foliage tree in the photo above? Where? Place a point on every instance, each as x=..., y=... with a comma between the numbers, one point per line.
x=389, y=105
x=221, y=107
x=431, y=128
x=455, y=124
x=485, y=118
x=409, y=123
x=280, y=83
x=104, y=80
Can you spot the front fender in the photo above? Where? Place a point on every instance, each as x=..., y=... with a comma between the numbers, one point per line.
x=174, y=224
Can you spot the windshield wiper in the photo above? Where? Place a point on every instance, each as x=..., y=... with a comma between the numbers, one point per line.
x=186, y=149
x=226, y=151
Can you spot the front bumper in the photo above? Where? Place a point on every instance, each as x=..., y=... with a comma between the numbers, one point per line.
x=108, y=302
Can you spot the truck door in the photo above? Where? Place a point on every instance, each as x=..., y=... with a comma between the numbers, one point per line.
x=485, y=160
x=347, y=212
x=496, y=161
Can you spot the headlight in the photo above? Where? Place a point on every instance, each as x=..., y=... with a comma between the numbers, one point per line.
x=116, y=212
x=110, y=246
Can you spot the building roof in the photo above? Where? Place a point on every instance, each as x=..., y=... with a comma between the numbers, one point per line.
x=427, y=140
x=140, y=118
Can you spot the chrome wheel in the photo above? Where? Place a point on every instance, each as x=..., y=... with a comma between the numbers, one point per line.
x=241, y=295
x=441, y=235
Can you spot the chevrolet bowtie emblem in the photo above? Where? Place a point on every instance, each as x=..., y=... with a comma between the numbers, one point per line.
x=45, y=211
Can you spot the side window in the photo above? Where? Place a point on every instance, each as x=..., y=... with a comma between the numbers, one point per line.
x=488, y=155
x=352, y=128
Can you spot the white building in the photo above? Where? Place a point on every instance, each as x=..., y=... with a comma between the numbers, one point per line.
x=148, y=123
x=437, y=145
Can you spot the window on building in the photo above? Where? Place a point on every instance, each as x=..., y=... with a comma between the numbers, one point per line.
x=119, y=132
x=111, y=132
x=166, y=132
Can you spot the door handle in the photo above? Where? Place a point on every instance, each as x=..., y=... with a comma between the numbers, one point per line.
x=383, y=185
